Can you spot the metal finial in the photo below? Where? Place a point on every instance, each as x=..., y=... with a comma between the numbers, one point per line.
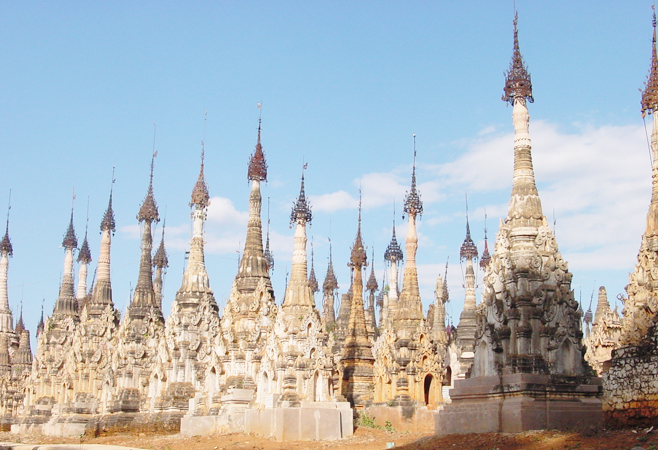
x=393, y=252
x=649, y=101
x=200, y=194
x=108, y=218
x=301, y=210
x=160, y=259
x=486, y=257
x=468, y=249
x=70, y=241
x=518, y=85
x=413, y=206
x=257, y=169
x=149, y=209
x=5, y=245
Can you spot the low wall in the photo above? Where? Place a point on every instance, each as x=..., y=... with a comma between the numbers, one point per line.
x=312, y=421
x=402, y=418
x=630, y=386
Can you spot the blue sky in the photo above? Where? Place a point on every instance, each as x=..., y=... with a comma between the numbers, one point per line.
x=344, y=85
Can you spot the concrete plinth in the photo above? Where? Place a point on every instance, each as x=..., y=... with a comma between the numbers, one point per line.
x=229, y=417
x=312, y=421
x=521, y=402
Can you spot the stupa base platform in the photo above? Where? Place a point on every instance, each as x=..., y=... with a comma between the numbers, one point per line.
x=519, y=402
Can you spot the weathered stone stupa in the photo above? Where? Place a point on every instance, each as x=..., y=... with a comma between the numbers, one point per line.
x=631, y=394
x=605, y=333
x=193, y=326
x=528, y=370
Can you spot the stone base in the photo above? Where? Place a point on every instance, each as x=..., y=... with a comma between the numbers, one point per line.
x=416, y=418
x=312, y=421
x=228, y=418
x=521, y=402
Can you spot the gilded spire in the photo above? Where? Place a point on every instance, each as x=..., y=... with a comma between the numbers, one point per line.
x=200, y=195
x=650, y=94
x=330, y=282
x=160, y=258
x=257, y=165
x=468, y=249
x=517, y=78
x=149, y=209
x=486, y=257
x=5, y=245
x=312, y=280
x=301, y=210
x=413, y=206
x=372, y=285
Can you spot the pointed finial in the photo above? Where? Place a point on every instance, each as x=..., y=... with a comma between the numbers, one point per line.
x=70, y=241
x=160, y=258
x=358, y=257
x=312, y=281
x=486, y=257
x=372, y=285
x=200, y=195
x=393, y=252
x=269, y=256
x=108, y=218
x=301, y=210
x=650, y=94
x=5, y=245
x=149, y=209
x=468, y=249
x=330, y=282
x=413, y=206
x=257, y=165
x=446, y=296
x=518, y=85
x=84, y=256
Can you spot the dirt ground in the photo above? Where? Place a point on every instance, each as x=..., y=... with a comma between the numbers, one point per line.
x=375, y=439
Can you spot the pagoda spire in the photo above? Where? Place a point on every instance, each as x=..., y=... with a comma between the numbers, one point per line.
x=312, y=280
x=298, y=292
x=525, y=206
x=84, y=258
x=467, y=319
x=486, y=257
x=144, y=295
x=267, y=254
x=649, y=106
x=357, y=355
x=409, y=306
x=6, y=251
x=394, y=256
x=160, y=262
x=329, y=288
x=67, y=304
x=195, y=278
x=372, y=286
x=102, y=292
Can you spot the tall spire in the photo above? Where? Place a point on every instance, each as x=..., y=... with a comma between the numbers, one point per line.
x=144, y=295
x=257, y=164
x=410, y=308
x=269, y=256
x=102, y=290
x=518, y=85
x=650, y=94
x=525, y=205
x=328, y=288
x=486, y=257
x=312, y=280
x=255, y=265
x=84, y=258
x=298, y=292
x=200, y=195
x=6, y=250
x=413, y=206
x=468, y=249
x=67, y=304
x=160, y=262
x=5, y=245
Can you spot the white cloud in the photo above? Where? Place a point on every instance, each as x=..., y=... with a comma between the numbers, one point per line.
x=333, y=202
x=222, y=211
